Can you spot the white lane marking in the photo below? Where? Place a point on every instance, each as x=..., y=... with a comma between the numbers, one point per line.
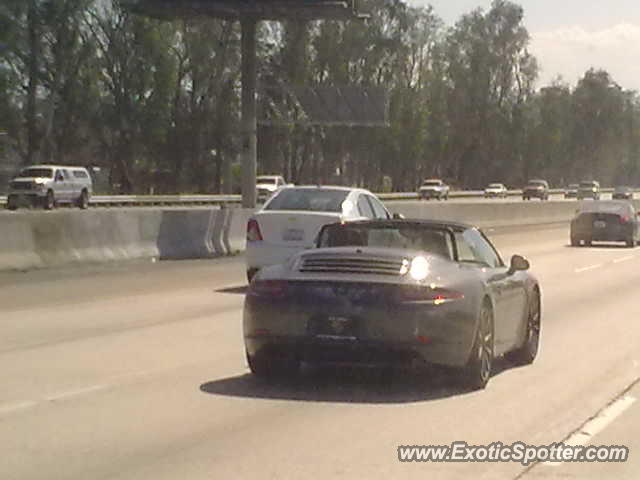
x=590, y=267
x=74, y=393
x=13, y=407
x=598, y=423
x=623, y=259
x=16, y=406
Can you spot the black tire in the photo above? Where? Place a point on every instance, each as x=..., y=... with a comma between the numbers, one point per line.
x=527, y=353
x=49, y=201
x=575, y=242
x=524, y=199
x=477, y=372
x=273, y=366
x=11, y=203
x=251, y=272
x=83, y=201
x=631, y=242
x=587, y=243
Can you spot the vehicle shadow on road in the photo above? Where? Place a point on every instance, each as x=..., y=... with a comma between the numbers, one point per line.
x=239, y=290
x=348, y=385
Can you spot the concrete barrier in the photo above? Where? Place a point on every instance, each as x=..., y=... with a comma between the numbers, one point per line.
x=489, y=214
x=37, y=239
x=45, y=239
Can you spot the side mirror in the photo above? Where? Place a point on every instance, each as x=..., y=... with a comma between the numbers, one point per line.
x=518, y=263
x=399, y=216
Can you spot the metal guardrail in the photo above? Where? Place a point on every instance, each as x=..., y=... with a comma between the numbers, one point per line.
x=190, y=200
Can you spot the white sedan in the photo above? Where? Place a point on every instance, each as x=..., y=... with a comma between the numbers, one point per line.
x=291, y=219
x=496, y=190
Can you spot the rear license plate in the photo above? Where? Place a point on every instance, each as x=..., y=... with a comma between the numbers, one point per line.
x=333, y=327
x=599, y=224
x=293, y=235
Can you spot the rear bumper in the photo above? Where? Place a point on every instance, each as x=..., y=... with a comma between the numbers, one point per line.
x=399, y=334
x=431, y=193
x=616, y=233
x=534, y=193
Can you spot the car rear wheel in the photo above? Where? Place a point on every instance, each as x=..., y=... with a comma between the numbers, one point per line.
x=575, y=242
x=251, y=272
x=529, y=350
x=11, y=203
x=83, y=201
x=477, y=372
x=49, y=201
x=631, y=242
x=273, y=366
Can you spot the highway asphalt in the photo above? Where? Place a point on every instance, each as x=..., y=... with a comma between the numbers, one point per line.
x=137, y=371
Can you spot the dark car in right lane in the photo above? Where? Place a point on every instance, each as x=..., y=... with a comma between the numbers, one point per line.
x=605, y=221
x=622, y=193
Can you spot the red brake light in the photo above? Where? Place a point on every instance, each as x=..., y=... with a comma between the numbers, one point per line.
x=423, y=293
x=268, y=288
x=624, y=219
x=253, y=231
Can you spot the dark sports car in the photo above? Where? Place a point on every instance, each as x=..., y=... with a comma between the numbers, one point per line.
x=394, y=292
x=605, y=221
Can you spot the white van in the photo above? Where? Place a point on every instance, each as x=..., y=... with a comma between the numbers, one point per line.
x=50, y=185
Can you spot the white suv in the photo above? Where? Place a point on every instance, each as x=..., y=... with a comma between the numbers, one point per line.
x=49, y=185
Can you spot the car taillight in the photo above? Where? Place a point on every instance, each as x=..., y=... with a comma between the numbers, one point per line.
x=268, y=288
x=624, y=219
x=424, y=293
x=253, y=231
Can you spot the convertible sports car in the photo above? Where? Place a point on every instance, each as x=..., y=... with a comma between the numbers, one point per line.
x=386, y=292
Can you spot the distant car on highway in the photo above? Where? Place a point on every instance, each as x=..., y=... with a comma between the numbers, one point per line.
x=622, y=193
x=605, y=221
x=536, y=189
x=290, y=220
x=389, y=292
x=433, y=188
x=571, y=191
x=50, y=185
x=496, y=190
x=266, y=185
x=589, y=189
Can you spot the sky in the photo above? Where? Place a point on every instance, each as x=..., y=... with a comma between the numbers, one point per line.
x=570, y=36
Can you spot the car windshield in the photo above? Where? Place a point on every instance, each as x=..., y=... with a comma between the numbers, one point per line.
x=432, y=183
x=622, y=189
x=270, y=180
x=438, y=241
x=536, y=183
x=573, y=186
x=311, y=199
x=495, y=185
x=587, y=184
x=37, y=172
